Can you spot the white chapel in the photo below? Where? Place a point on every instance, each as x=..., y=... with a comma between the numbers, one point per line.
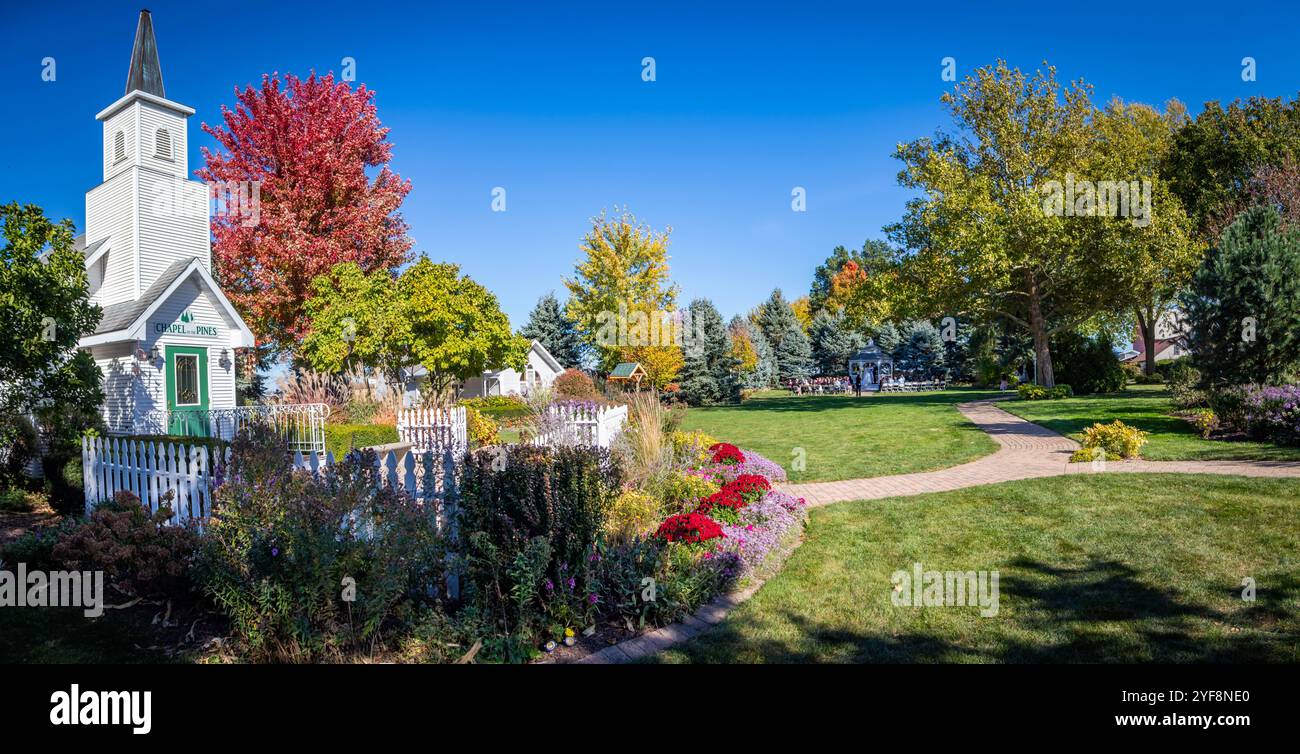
x=167, y=340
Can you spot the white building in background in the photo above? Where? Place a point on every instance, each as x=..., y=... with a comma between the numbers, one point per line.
x=167, y=338
x=539, y=373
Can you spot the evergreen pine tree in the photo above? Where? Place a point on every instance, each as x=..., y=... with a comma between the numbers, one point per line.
x=922, y=352
x=832, y=343
x=762, y=372
x=793, y=353
x=888, y=338
x=709, y=371
x=549, y=325
x=1243, y=307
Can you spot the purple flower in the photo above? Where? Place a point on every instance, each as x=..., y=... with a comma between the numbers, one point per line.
x=592, y=598
x=571, y=583
x=550, y=585
x=275, y=552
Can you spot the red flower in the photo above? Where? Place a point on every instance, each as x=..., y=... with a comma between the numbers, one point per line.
x=724, y=452
x=689, y=527
x=751, y=487
x=723, y=498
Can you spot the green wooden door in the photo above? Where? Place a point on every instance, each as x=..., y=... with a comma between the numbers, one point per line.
x=187, y=391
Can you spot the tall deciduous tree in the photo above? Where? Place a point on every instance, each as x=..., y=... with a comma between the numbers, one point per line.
x=44, y=311
x=1160, y=254
x=430, y=316
x=624, y=271
x=1244, y=303
x=1215, y=156
x=306, y=144
x=982, y=239
x=549, y=324
x=750, y=348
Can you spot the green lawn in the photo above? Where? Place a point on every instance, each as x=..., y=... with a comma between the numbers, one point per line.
x=1090, y=571
x=848, y=438
x=1145, y=407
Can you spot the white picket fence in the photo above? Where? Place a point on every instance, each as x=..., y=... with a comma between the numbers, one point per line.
x=301, y=425
x=442, y=428
x=569, y=424
x=189, y=472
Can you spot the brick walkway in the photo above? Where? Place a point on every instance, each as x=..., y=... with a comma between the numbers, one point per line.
x=1026, y=451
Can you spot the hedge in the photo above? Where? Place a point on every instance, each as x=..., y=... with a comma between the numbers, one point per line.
x=340, y=438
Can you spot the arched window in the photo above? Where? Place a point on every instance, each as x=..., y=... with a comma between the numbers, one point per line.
x=163, y=144
x=119, y=146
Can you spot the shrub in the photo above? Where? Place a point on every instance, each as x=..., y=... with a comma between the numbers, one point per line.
x=1086, y=363
x=680, y=492
x=575, y=383
x=1132, y=371
x=689, y=527
x=1087, y=455
x=1184, y=385
x=1151, y=379
x=1061, y=391
x=1205, y=421
x=140, y=552
x=1273, y=413
x=531, y=517
x=632, y=513
x=1117, y=439
x=340, y=438
x=18, y=500
x=17, y=447
x=280, y=543
x=692, y=448
x=481, y=429
x=1229, y=404
x=1030, y=392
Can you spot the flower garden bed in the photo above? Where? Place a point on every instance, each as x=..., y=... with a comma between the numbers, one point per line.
x=742, y=531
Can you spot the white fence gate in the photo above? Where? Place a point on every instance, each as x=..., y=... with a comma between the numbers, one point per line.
x=443, y=428
x=190, y=473
x=569, y=424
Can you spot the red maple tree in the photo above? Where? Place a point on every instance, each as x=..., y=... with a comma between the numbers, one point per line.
x=306, y=144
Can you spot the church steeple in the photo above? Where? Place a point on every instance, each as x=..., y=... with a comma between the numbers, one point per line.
x=146, y=73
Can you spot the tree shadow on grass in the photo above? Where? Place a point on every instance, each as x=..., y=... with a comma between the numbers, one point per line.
x=1101, y=612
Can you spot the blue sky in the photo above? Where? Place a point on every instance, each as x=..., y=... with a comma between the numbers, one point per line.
x=547, y=101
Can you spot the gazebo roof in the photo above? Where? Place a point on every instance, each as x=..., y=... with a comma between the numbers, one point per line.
x=872, y=352
x=626, y=370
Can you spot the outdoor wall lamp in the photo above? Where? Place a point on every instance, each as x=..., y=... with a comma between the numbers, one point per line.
x=225, y=359
x=155, y=354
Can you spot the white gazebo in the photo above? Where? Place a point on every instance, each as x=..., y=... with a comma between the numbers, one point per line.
x=873, y=364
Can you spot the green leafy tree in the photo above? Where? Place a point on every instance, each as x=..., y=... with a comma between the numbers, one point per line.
x=430, y=316
x=1243, y=307
x=624, y=270
x=709, y=372
x=1160, y=254
x=45, y=309
x=982, y=240
x=549, y=324
x=1214, y=157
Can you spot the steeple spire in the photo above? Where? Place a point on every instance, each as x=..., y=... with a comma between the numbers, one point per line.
x=145, y=74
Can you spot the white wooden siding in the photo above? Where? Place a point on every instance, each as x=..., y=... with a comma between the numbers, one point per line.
x=110, y=212
x=152, y=117
x=173, y=223
x=116, y=362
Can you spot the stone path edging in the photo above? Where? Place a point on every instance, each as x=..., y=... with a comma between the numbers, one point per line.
x=1026, y=451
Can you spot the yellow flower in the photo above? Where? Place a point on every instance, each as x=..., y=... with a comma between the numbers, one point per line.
x=568, y=632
